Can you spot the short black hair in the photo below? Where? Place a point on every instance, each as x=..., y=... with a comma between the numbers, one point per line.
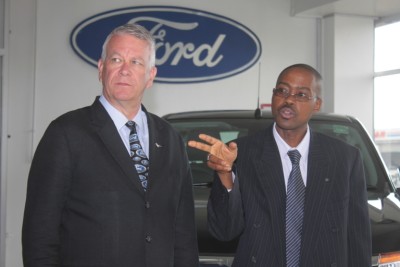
x=317, y=75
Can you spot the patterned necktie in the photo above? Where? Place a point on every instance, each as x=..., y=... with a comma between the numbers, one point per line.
x=137, y=155
x=294, y=211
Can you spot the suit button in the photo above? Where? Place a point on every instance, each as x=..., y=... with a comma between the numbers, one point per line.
x=254, y=259
x=334, y=264
x=147, y=204
x=148, y=239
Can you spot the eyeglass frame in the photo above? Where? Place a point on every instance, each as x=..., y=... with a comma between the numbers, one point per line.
x=296, y=96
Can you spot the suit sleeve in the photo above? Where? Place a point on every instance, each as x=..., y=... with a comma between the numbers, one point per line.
x=186, y=250
x=359, y=231
x=225, y=211
x=48, y=182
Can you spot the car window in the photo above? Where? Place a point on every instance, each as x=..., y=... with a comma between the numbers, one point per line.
x=392, y=158
x=230, y=129
x=225, y=130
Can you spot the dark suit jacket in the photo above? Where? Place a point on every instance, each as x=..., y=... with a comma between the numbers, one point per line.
x=336, y=229
x=85, y=205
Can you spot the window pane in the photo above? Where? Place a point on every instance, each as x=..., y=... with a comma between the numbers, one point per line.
x=387, y=47
x=387, y=123
x=387, y=95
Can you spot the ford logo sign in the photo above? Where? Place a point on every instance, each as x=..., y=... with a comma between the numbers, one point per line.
x=191, y=45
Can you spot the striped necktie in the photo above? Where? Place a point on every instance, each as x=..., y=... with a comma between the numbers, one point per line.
x=294, y=211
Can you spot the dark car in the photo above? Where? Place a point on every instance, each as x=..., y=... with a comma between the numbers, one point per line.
x=383, y=200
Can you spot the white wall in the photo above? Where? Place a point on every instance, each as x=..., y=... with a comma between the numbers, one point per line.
x=60, y=74
x=19, y=123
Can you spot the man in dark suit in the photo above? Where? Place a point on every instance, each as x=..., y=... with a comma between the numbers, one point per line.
x=86, y=205
x=310, y=213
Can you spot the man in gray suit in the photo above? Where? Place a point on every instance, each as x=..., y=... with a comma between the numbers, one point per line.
x=89, y=202
x=295, y=197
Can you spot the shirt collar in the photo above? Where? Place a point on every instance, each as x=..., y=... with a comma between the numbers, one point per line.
x=118, y=118
x=283, y=147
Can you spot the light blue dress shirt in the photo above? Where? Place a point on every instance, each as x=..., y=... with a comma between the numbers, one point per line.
x=120, y=120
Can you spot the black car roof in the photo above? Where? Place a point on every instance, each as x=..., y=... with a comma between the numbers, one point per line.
x=246, y=114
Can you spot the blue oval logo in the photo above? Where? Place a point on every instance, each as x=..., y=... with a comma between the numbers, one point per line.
x=191, y=45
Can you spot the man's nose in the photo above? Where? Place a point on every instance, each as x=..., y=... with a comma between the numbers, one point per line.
x=125, y=69
x=290, y=97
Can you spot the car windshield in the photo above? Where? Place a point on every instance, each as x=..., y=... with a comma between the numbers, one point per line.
x=229, y=129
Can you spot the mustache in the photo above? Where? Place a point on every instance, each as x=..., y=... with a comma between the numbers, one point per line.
x=287, y=106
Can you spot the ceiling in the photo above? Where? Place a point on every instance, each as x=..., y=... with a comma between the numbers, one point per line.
x=371, y=8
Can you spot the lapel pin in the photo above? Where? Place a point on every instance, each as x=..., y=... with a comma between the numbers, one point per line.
x=157, y=145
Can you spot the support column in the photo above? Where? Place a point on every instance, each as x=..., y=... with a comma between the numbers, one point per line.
x=347, y=62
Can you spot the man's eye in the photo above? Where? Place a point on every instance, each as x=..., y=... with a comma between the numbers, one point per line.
x=302, y=95
x=116, y=60
x=281, y=91
x=137, y=62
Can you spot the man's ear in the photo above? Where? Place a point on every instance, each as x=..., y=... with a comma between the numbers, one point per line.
x=318, y=104
x=152, y=76
x=100, y=68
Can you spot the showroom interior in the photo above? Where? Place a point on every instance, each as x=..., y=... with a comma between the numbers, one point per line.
x=45, y=74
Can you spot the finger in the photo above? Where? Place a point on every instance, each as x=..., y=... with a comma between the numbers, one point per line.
x=209, y=139
x=232, y=146
x=200, y=146
x=218, y=162
x=214, y=159
x=218, y=167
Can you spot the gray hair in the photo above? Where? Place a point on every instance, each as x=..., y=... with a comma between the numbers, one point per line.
x=134, y=30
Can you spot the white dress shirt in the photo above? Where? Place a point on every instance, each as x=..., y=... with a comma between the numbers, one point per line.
x=283, y=148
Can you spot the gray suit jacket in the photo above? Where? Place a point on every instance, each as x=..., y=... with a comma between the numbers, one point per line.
x=336, y=229
x=85, y=205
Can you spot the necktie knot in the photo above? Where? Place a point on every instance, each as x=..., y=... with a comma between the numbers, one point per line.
x=294, y=156
x=131, y=125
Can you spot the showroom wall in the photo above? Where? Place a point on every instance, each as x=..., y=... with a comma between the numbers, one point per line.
x=61, y=74
x=46, y=77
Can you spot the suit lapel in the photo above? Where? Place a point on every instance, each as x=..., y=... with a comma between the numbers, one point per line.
x=157, y=148
x=270, y=175
x=109, y=135
x=319, y=184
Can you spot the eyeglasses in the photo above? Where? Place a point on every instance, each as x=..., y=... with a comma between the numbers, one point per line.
x=299, y=96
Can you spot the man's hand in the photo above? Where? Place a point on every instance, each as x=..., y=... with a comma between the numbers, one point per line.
x=220, y=157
